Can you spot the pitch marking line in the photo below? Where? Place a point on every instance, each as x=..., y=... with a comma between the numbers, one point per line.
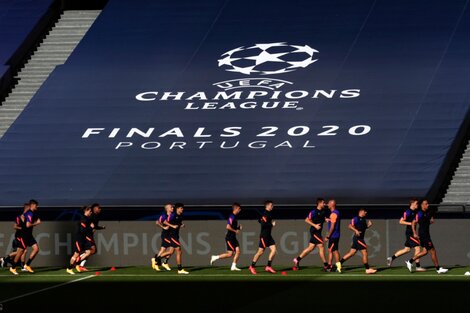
x=246, y=275
x=48, y=288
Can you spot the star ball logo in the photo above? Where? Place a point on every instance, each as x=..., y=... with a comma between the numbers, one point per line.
x=268, y=58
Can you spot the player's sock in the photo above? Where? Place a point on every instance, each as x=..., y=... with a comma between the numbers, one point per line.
x=342, y=260
x=411, y=261
x=366, y=265
x=82, y=264
x=165, y=260
x=325, y=264
x=270, y=262
x=7, y=260
x=29, y=261
x=418, y=264
x=180, y=267
x=158, y=260
x=253, y=263
x=437, y=267
x=394, y=257
x=21, y=263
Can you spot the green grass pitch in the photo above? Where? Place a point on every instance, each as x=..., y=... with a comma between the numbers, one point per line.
x=217, y=289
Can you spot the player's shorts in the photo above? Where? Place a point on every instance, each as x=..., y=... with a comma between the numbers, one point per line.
x=266, y=241
x=411, y=242
x=29, y=241
x=333, y=244
x=18, y=243
x=79, y=246
x=316, y=238
x=89, y=242
x=358, y=243
x=175, y=241
x=166, y=242
x=232, y=244
x=426, y=243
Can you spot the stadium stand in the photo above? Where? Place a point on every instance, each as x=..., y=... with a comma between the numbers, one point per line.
x=19, y=22
x=53, y=51
x=459, y=188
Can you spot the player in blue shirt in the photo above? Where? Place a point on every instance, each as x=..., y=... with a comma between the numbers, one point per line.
x=315, y=219
x=32, y=219
x=265, y=239
x=334, y=226
x=166, y=243
x=80, y=247
x=359, y=225
x=411, y=241
x=424, y=219
x=20, y=224
x=233, y=247
x=175, y=221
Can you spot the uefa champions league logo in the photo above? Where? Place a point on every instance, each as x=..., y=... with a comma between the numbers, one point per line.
x=268, y=58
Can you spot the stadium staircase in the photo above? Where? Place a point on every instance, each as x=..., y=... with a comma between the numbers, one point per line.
x=459, y=188
x=53, y=51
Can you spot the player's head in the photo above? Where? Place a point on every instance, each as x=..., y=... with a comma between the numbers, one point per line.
x=424, y=204
x=33, y=205
x=362, y=212
x=236, y=208
x=26, y=207
x=268, y=205
x=413, y=203
x=320, y=203
x=179, y=207
x=87, y=210
x=96, y=208
x=332, y=204
x=169, y=208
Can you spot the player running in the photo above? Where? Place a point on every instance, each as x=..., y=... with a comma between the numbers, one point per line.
x=334, y=225
x=424, y=218
x=233, y=247
x=411, y=241
x=20, y=224
x=315, y=219
x=175, y=221
x=166, y=243
x=90, y=242
x=358, y=225
x=32, y=220
x=81, y=246
x=266, y=240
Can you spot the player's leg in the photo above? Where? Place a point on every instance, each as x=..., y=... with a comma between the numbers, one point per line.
x=179, y=260
x=321, y=253
x=235, y=260
x=16, y=260
x=72, y=261
x=32, y=255
x=231, y=248
x=302, y=255
x=256, y=258
x=365, y=261
x=92, y=248
x=165, y=256
x=418, y=250
x=399, y=253
x=272, y=253
x=348, y=255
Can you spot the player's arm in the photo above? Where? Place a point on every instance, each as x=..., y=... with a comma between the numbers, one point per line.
x=351, y=227
x=413, y=224
x=332, y=218
x=403, y=220
x=432, y=220
x=308, y=220
x=167, y=223
x=30, y=223
x=230, y=228
x=98, y=227
x=17, y=224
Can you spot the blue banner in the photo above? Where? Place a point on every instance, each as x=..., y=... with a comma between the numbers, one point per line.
x=210, y=102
